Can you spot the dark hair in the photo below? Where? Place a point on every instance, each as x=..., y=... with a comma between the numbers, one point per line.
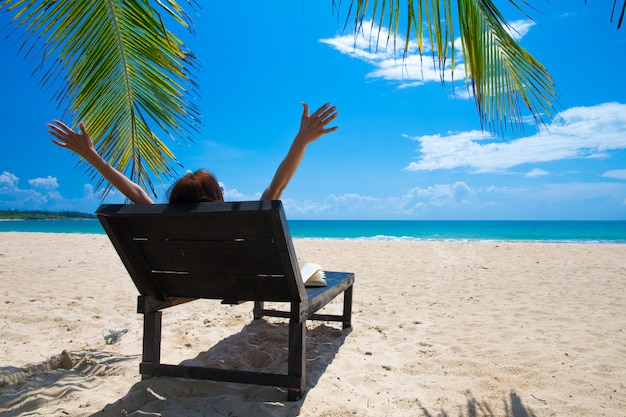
x=195, y=187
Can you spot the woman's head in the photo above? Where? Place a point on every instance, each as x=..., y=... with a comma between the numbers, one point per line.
x=195, y=187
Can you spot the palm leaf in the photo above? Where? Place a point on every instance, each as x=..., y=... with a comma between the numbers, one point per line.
x=503, y=77
x=121, y=72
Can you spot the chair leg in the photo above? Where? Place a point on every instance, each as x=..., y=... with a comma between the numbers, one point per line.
x=347, y=308
x=152, y=338
x=297, y=356
x=257, y=311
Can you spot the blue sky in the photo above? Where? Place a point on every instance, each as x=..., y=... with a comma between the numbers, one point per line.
x=407, y=147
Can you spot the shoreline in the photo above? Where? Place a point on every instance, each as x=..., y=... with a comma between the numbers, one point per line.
x=439, y=328
x=386, y=239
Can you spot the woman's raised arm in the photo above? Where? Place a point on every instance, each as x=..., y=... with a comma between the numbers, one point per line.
x=311, y=128
x=81, y=144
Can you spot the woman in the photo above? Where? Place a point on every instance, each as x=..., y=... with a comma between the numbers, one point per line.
x=200, y=185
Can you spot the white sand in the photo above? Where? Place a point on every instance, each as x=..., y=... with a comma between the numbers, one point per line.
x=440, y=329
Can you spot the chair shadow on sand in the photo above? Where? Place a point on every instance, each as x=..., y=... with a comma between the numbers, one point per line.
x=260, y=346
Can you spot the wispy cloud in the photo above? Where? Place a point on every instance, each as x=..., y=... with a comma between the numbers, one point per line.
x=619, y=174
x=415, y=201
x=375, y=46
x=576, y=133
x=536, y=172
x=232, y=194
x=460, y=200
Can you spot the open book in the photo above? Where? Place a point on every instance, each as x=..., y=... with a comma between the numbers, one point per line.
x=312, y=274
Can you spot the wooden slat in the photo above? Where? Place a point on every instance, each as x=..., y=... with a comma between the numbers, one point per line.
x=217, y=374
x=217, y=257
x=242, y=287
x=201, y=226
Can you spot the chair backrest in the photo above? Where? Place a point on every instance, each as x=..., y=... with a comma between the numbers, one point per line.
x=234, y=251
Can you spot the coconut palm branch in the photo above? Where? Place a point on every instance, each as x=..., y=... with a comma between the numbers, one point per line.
x=505, y=80
x=120, y=71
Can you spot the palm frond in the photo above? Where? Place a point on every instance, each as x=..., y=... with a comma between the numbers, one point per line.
x=503, y=77
x=122, y=73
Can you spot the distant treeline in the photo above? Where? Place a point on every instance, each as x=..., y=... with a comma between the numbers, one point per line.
x=44, y=215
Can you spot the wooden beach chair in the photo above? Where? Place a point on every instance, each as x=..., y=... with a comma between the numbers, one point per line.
x=225, y=251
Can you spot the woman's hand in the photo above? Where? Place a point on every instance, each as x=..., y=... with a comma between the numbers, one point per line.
x=80, y=143
x=314, y=126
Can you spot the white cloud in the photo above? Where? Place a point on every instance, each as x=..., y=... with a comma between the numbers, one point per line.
x=579, y=132
x=619, y=174
x=88, y=192
x=8, y=181
x=232, y=194
x=373, y=44
x=353, y=202
x=413, y=71
x=436, y=195
x=536, y=173
x=44, y=184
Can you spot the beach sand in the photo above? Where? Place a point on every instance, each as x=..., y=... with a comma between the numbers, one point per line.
x=439, y=329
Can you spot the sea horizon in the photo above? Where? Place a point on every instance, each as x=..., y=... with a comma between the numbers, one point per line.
x=557, y=231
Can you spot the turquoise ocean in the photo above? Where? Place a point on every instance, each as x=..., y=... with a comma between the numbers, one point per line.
x=533, y=231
